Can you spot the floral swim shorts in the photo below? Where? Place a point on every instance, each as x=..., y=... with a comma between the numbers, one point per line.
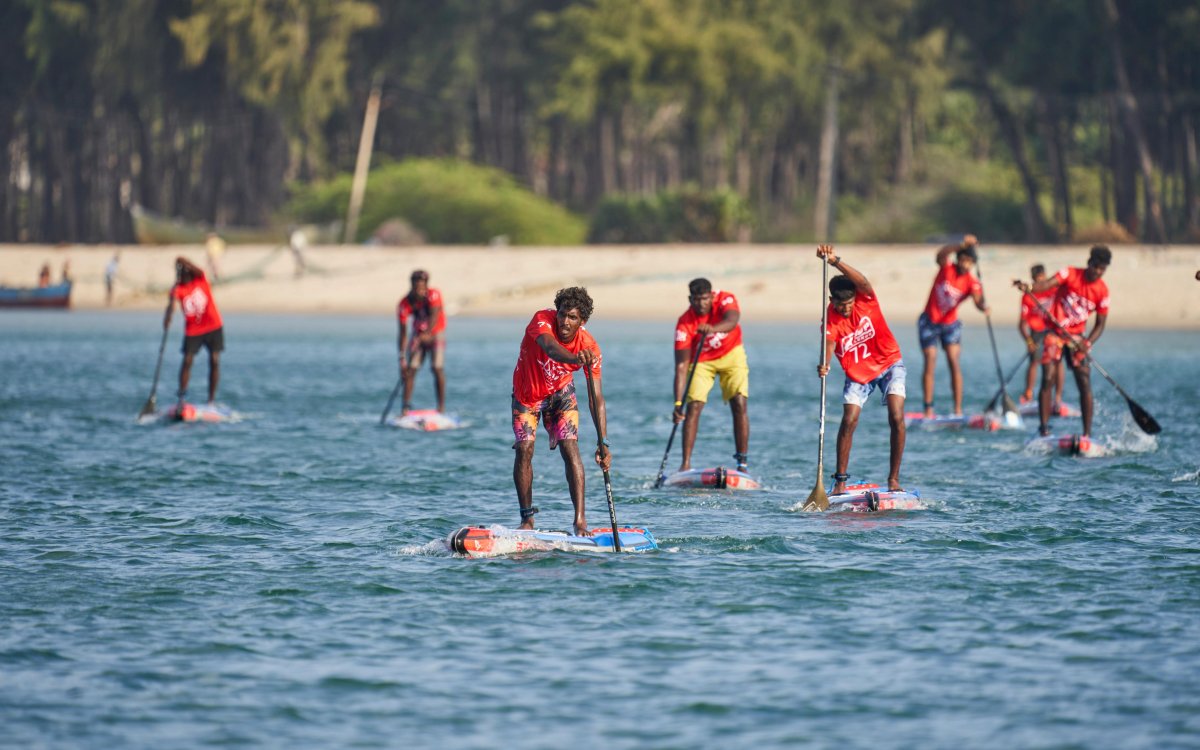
x=559, y=412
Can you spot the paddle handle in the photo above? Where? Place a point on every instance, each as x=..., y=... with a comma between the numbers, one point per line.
x=662, y=468
x=594, y=409
x=162, y=347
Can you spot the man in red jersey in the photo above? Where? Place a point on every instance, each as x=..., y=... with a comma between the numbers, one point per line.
x=713, y=315
x=202, y=324
x=1079, y=292
x=555, y=345
x=939, y=322
x=869, y=355
x=423, y=304
x=1032, y=325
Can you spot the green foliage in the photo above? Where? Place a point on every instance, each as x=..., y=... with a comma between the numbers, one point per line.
x=449, y=201
x=688, y=215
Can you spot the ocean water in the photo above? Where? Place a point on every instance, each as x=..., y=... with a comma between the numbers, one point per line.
x=282, y=581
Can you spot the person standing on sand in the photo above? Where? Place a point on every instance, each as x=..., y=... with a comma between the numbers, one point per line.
x=423, y=304
x=715, y=316
x=554, y=346
x=869, y=355
x=939, y=322
x=202, y=325
x=110, y=277
x=1079, y=292
x=1032, y=325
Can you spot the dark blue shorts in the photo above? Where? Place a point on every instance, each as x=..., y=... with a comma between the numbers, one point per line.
x=931, y=333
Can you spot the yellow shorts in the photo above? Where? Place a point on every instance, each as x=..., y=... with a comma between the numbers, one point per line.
x=733, y=371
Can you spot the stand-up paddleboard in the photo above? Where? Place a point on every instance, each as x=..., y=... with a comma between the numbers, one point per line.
x=916, y=420
x=427, y=420
x=494, y=541
x=1067, y=445
x=718, y=478
x=870, y=498
x=1030, y=409
x=188, y=412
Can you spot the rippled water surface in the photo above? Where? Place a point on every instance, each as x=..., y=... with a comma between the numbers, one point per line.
x=281, y=581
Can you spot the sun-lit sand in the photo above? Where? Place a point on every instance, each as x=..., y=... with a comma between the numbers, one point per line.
x=1151, y=287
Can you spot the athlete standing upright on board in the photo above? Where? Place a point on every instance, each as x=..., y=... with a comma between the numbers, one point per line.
x=1079, y=292
x=939, y=322
x=422, y=304
x=713, y=315
x=1032, y=325
x=869, y=355
x=555, y=346
x=202, y=325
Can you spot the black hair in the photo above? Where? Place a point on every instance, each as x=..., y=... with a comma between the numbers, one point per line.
x=1037, y=269
x=419, y=275
x=574, y=297
x=696, y=287
x=1100, y=256
x=968, y=252
x=841, y=288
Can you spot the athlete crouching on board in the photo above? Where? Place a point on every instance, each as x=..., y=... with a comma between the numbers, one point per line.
x=202, y=324
x=424, y=305
x=555, y=345
x=713, y=315
x=870, y=357
x=1079, y=292
x=939, y=322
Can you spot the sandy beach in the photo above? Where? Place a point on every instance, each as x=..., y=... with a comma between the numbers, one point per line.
x=1152, y=287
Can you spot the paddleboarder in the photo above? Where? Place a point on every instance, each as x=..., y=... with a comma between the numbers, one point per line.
x=556, y=345
x=939, y=322
x=1079, y=293
x=859, y=336
x=1032, y=325
x=201, y=327
x=714, y=315
x=423, y=305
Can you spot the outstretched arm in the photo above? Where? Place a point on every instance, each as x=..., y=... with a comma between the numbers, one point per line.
x=860, y=281
x=558, y=352
x=943, y=255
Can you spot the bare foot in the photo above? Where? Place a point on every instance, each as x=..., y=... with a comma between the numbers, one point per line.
x=929, y=414
x=894, y=485
x=581, y=529
x=839, y=488
x=685, y=467
x=526, y=524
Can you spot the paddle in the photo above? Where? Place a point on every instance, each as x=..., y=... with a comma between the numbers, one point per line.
x=1146, y=422
x=1009, y=405
x=992, y=404
x=592, y=407
x=151, y=404
x=687, y=386
x=392, y=398
x=817, y=499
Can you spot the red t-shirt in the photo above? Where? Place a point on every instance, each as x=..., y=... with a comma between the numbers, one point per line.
x=1031, y=315
x=1076, y=299
x=716, y=345
x=421, y=312
x=199, y=309
x=949, y=290
x=865, y=345
x=536, y=375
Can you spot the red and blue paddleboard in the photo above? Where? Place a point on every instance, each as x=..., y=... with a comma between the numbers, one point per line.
x=496, y=541
x=718, y=478
x=1067, y=445
x=427, y=420
x=916, y=420
x=188, y=412
x=1030, y=409
x=871, y=498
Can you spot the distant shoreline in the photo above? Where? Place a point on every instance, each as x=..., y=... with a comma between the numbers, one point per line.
x=1152, y=287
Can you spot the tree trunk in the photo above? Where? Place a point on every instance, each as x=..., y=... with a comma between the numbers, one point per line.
x=1124, y=181
x=1036, y=229
x=905, y=148
x=1191, y=164
x=826, y=208
x=1049, y=117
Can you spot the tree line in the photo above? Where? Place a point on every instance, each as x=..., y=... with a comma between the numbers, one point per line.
x=210, y=109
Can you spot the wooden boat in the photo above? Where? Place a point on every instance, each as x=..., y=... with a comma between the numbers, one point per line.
x=55, y=295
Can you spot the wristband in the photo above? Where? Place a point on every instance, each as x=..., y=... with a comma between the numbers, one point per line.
x=603, y=441
x=679, y=403
x=835, y=260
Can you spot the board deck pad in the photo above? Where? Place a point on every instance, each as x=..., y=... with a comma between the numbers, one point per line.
x=865, y=497
x=1067, y=445
x=496, y=541
x=190, y=412
x=717, y=478
x=427, y=420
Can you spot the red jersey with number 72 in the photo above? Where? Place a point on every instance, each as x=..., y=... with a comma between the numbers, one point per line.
x=200, y=314
x=1077, y=298
x=865, y=346
x=716, y=345
x=536, y=375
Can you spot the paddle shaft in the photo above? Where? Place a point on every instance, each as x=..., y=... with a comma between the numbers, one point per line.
x=818, y=499
x=396, y=390
x=162, y=347
x=675, y=427
x=1015, y=369
x=987, y=316
x=1143, y=418
x=595, y=410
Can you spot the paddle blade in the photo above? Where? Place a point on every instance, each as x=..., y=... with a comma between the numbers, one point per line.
x=817, y=499
x=659, y=482
x=149, y=408
x=1148, y=424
